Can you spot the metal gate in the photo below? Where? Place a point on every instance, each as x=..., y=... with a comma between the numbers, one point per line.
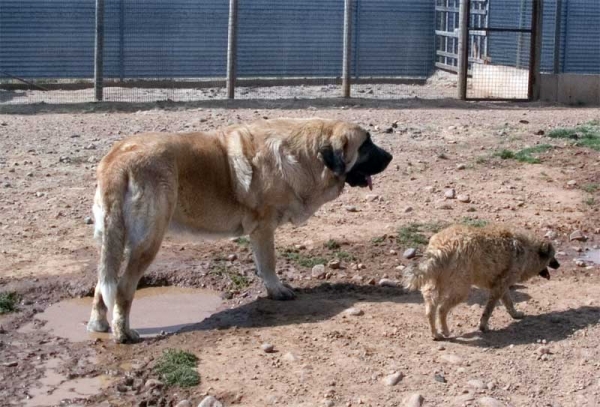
x=501, y=49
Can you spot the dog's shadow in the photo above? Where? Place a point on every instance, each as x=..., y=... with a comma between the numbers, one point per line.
x=311, y=305
x=552, y=326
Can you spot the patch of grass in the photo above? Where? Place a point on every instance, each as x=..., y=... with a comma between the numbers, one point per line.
x=302, y=259
x=478, y=223
x=585, y=135
x=411, y=235
x=377, y=240
x=591, y=201
x=590, y=188
x=239, y=281
x=8, y=302
x=243, y=241
x=525, y=155
x=342, y=255
x=332, y=244
x=177, y=368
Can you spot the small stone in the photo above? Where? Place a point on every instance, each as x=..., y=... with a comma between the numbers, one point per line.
x=290, y=357
x=92, y=159
x=184, y=403
x=232, y=257
x=572, y=183
x=543, y=350
x=351, y=208
x=429, y=189
x=334, y=264
x=372, y=197
x=439, y=378
x=361, y=266
x=414, y=400
x=393, y=379
x=153, y=383
x=393, y=252
x=30, y=174
x=318, y=271
x=577, y=235
x=464, y=198
x=267, y=348
x=355, y=312
x=450, y=193
x=88, y=220
x=408, y=209
x=540, y=133
x=476, y=384
x=491, y=385
x=410, y=253
x=210, y=401
x=10, y=364
x=461, y=167
x=39, y=194
x=489, y=402
x=523, y=121
x=386, y=282
x=451, y=358
x=580, y=263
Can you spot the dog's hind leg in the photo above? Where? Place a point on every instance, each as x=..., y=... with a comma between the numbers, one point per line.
x=147, y=218
x=431, y=311
x=447, y=304
x=263, y=247
x=508, y=304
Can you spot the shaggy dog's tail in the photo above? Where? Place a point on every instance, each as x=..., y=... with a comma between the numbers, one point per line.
x=415, y=276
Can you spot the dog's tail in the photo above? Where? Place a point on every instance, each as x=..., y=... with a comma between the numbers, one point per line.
x=112, y=234
x=415, y=276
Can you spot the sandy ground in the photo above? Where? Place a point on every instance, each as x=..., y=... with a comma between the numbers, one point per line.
x=324, y=356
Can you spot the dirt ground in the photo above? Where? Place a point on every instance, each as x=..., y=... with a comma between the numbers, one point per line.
x=324, y=355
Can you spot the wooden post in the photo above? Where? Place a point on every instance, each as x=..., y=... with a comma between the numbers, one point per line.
x=231, y=49
x=347, y=48
x=463, y=48
x=99, y=52
x=122, y=40
x=533, y=91
x=557, y=35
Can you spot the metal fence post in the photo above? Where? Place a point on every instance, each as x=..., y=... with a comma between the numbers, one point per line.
x=463, y=48
x=347, y=48
x=99, y=52
x=557, y=35
x=533, y=92
x=231, y=49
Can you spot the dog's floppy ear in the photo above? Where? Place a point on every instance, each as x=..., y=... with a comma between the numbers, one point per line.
x=545, y=249
x=333, y=159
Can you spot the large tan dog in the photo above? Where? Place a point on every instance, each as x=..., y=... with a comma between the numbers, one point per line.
x=244, y=179
x=493, y=258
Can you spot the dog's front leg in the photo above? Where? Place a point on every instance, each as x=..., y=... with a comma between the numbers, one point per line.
x=508, y=303
x=263, y=247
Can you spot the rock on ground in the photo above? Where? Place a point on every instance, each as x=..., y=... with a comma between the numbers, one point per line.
x=210, y=401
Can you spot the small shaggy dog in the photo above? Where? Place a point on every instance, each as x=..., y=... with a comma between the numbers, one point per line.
x=492, y=257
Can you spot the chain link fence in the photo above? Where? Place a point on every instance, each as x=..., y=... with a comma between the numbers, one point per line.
x=152, y=50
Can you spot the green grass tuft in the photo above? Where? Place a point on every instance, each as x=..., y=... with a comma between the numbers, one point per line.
x=332, y=244
x=590, y=188
x=8, y=302
x=177, y=368
x=525, y=155
x=411, y=235
x=342, y=255
x=478, y=223
x=585, y=135
x=303, y=259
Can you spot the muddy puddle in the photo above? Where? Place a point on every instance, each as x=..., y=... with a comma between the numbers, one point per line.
x=54, y=387
x=154, y=311
x=591, y=257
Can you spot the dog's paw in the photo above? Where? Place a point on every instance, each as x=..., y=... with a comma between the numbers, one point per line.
x=438, y=337
x=128, y=336
x=281, y=292
x=98, y=326
x=518, y=315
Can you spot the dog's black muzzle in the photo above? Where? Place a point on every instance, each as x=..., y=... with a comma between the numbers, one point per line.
x=371, y=160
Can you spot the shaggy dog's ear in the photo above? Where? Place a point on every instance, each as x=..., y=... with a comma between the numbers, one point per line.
x=545, y=250
x=333, y=159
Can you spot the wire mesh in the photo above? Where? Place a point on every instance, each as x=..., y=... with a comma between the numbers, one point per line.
x=156, y=50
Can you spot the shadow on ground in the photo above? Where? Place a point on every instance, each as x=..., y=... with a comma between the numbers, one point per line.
x=553, y=326
x=311, y=305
